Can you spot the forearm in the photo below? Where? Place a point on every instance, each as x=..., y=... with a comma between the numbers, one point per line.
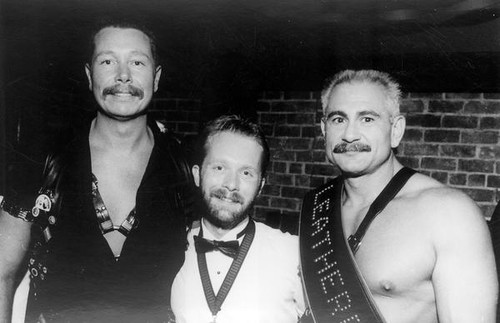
x=6, y=298
x=14, y=244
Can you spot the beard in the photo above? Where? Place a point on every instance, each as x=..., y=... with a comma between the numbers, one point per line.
x=220, y=215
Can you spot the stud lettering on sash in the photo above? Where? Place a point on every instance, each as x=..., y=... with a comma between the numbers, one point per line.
x=327, y=275
x=321, y=207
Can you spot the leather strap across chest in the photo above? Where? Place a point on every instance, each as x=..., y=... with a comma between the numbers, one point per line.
x=105, y=223
x=387, y=194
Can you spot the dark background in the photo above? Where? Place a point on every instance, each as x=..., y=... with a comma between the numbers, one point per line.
x=446, y=45
x=225, y=52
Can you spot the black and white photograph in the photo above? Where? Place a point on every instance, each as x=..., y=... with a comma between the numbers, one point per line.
x=263, y=161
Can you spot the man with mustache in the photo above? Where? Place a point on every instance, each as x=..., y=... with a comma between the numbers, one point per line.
x=382, y=243
x=236, y=270
x=109, y=224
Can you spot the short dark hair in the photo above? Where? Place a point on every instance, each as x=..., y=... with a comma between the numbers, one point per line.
x=122, y=23
x=235, y=124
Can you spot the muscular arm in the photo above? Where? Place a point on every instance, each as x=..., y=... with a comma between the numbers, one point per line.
x=14, y=243
x=464, y=276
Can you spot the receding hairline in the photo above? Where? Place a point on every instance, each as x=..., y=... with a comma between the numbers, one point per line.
x=99, y=33
x=148, y=36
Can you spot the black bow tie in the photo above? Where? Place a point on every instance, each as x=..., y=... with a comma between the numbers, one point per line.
x=229, y=248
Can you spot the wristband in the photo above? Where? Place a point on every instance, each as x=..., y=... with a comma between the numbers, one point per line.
x=15, y=210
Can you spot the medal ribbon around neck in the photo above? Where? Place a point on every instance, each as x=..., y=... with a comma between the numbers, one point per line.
x=215, y=302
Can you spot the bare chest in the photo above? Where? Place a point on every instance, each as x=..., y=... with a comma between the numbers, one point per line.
x=118, y=181
x=395, y=256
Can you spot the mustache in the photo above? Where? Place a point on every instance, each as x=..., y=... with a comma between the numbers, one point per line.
x=345, y=147
x=118, y=88
x=221, y=193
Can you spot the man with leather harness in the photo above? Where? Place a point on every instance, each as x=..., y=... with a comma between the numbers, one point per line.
x=108, y=226
x=381, y=242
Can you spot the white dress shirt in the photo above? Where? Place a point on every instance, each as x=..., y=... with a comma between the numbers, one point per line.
x=267, y=289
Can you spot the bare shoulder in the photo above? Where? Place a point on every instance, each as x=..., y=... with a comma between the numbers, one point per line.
x=446, y=209
x=427, y=191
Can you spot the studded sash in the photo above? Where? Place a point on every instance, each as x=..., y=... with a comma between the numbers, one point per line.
x=335, y=288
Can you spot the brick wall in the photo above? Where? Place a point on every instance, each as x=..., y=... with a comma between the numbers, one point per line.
x=180, y=115
x=449, y=136
x=452, y=137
